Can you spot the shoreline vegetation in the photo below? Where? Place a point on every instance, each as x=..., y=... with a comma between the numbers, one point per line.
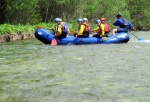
x=10, y=33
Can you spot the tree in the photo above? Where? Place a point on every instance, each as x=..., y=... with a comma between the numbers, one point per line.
x=2, y=10
x=21, y=11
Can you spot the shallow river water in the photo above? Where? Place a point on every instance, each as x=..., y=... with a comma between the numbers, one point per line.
x=33, y=72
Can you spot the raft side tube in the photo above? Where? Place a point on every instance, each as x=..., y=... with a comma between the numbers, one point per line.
x=74, y=40
x=118, y=38
x=43, y=35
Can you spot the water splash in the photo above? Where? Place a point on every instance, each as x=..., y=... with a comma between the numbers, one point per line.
x=145, y=41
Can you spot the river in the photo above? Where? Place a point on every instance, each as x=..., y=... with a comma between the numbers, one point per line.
x=33, y=72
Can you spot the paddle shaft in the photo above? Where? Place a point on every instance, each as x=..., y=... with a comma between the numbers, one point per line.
x=137, y=37
x=54, y=41
x=134, y=35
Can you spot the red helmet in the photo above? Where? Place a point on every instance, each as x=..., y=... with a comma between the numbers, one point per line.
x=102, y=19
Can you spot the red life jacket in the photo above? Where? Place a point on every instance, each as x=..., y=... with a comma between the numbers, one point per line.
x=87, y=27
x=106, y=28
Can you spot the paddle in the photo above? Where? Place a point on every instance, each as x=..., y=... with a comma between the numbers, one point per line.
x=54, y=42
x=140, y=39
x=71, y=32
x=37, y=26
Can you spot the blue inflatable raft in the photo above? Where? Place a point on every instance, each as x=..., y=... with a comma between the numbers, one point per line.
x=46, y=37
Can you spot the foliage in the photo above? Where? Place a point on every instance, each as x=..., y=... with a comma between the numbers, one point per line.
x=35, y=11
x=20, y=11
x=139, y=11
x=12, y=29
x=19, y=28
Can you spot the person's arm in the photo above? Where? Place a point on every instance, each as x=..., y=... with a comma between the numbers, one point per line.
x=102, y=30
x=130, y=25
x=116, y=23
x=81, y=30
x=97, y=30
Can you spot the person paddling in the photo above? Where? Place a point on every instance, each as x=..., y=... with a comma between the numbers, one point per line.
x=87, y=26
x=124, y=25
x=99, y=30
x=82, y=29
x=58, y=29
x=106, y=26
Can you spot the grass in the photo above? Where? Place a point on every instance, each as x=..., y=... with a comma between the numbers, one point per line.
x=13, y=29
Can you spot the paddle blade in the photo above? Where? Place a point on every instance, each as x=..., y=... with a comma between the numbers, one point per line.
x=37, y=27
x=71, y=32
x=54, y=42
x=140, y=39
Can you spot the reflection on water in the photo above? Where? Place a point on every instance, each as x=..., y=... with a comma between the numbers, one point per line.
x=33, y=72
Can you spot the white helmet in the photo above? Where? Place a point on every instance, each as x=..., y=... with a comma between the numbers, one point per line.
x=58, y=20
x=85, y=19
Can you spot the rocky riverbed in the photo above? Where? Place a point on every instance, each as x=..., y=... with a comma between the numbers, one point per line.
x=17, y=36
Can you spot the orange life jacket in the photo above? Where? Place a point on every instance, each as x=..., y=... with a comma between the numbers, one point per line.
x=106, y=28
x=87, y=27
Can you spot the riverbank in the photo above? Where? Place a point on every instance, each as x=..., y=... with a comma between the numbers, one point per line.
x=10, y=33
x=17, y=36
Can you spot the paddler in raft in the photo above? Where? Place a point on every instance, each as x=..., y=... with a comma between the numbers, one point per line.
x=99, y=31
x=124, y=25
x=106, y=26
x=59, y=30
x=83, y=29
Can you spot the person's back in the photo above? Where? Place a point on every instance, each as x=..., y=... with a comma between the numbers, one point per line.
x=123, y=23
x=65, y=28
